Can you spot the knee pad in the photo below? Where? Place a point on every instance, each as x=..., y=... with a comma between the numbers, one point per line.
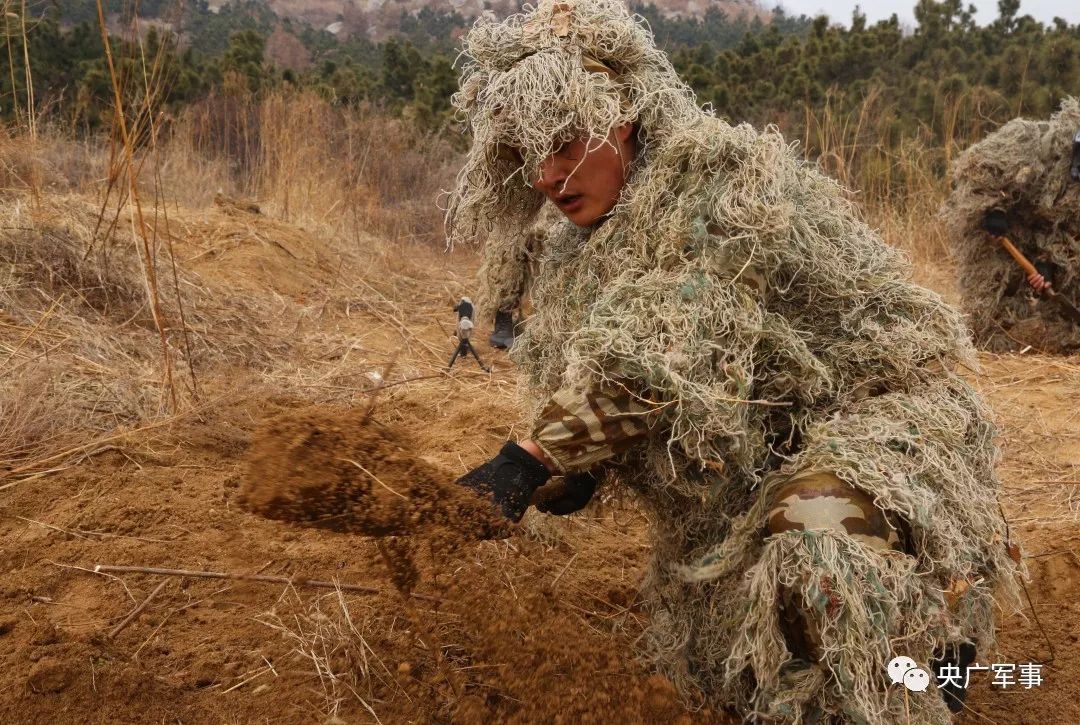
x=821, y=500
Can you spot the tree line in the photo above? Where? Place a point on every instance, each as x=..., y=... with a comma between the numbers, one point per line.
x=948, y=79
x=944, y=79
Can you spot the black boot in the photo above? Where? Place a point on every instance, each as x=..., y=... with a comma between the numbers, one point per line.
x=1074, y=171
x=503, y=334
x=952, y=666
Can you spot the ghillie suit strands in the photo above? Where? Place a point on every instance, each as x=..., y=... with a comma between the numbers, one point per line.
x=737, y=290
x=1023, y=170
x=509, y=269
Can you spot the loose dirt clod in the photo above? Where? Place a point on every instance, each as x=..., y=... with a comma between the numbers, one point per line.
x=324, y=467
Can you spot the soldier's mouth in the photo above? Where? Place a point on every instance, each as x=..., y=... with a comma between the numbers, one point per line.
x=569, y=202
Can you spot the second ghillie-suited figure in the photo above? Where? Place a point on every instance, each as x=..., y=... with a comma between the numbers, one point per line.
x=1021, y=182
x=715, y=329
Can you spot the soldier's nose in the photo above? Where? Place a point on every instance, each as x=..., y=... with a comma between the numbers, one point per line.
x=550, y=177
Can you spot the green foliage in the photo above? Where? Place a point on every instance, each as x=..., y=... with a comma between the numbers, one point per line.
x=244, y=59
x=948, y=79
x=211, y=33
x=70, y=75
x=716, y=30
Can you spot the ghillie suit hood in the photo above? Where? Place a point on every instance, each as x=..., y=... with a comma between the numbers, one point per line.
x=1022, y=169
x=561, y=72
x=738, y=290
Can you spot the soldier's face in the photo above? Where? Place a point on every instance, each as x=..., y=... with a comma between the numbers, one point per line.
x=583, y=178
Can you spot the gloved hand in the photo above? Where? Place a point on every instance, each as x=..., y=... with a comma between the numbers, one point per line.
x=995, y=222
x=573, y=495
x=509, y=478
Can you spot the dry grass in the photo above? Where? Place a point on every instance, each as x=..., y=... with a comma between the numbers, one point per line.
x=1034, y=398
x=328, y=634
x=122, y=286
x=900, y=181
x=78, y=345
x=76, y=341
x=346, y=172
x=51, y=163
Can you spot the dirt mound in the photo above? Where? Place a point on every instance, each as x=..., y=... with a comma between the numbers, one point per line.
x=327, y=467
x=515, y=659
x=330, y=468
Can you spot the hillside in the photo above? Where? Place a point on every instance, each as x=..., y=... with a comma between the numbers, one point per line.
x=320, y=13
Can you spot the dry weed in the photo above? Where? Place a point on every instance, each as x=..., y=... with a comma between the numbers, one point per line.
x=346, y=172
x=324, y=635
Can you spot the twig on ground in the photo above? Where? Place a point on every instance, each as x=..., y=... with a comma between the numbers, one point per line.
x=50, y=526
x=102, y=568
x=374, y=477
x=101, y=573
x=137, y=610
x=564, y=569
x=84, y=447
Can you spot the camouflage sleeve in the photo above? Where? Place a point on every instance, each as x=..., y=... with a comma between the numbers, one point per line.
x=577, y=430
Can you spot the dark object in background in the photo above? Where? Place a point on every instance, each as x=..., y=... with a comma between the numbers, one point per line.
x=503, y=334
x=996, y=222
x=957, y=657
x=464, y=348
x=464, y=308
x=1074, y=170
x=1025, y=169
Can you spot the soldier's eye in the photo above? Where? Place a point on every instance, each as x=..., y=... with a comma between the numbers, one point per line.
x=569, y=150
x=509, y=153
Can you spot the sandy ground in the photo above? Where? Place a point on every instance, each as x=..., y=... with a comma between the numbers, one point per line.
x=537, y=627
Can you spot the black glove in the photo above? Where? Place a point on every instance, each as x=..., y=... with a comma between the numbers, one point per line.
x=576, y=491
x=958, y=657
x=995, y=222
x=509, y=478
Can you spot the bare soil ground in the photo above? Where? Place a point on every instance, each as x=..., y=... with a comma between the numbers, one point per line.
x=539, y=626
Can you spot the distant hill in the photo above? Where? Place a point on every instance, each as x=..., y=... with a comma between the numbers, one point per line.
x=207, y=22
x=323, y=13
x=375, y=18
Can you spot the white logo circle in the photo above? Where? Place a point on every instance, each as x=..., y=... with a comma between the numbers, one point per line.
x=916, y=680
x=898, y=667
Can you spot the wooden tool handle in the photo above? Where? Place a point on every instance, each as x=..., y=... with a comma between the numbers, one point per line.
x=1018, y=256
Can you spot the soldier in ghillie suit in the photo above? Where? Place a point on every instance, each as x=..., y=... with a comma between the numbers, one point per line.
x=717, y=330
x=1022, y=182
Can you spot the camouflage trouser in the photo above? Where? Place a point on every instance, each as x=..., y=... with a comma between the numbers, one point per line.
x=817, y=501
x=577, y=430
